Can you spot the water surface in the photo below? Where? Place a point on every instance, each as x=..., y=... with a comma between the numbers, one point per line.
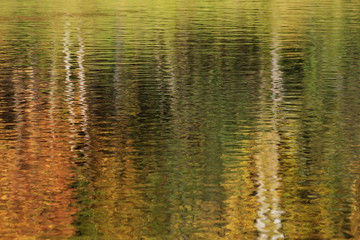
x=179, y=119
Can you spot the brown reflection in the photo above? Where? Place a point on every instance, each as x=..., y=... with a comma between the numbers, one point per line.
x=48, y=135
x=36, y=169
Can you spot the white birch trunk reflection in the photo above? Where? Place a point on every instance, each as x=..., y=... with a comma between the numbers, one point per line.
x=69, y=88
x=269, y=213
x=83, y=104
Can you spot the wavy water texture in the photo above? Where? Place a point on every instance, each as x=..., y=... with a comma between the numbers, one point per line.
x=179, y=119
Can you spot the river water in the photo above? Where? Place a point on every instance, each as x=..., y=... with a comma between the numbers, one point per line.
x=179, y=119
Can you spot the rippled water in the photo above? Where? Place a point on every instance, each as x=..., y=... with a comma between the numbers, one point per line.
x=180, y=119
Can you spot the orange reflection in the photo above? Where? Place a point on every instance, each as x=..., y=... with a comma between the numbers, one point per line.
x=36, y=168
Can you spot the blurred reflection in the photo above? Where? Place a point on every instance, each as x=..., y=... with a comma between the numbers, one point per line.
x=36, y=162
x=266, y=157
x=199, y=120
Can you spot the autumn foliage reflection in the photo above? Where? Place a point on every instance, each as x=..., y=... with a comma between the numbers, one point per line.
x=200, y=120
x=36, y=165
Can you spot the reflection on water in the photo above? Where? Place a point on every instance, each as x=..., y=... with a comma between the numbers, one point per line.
x=266, y=157
x=179, y=120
